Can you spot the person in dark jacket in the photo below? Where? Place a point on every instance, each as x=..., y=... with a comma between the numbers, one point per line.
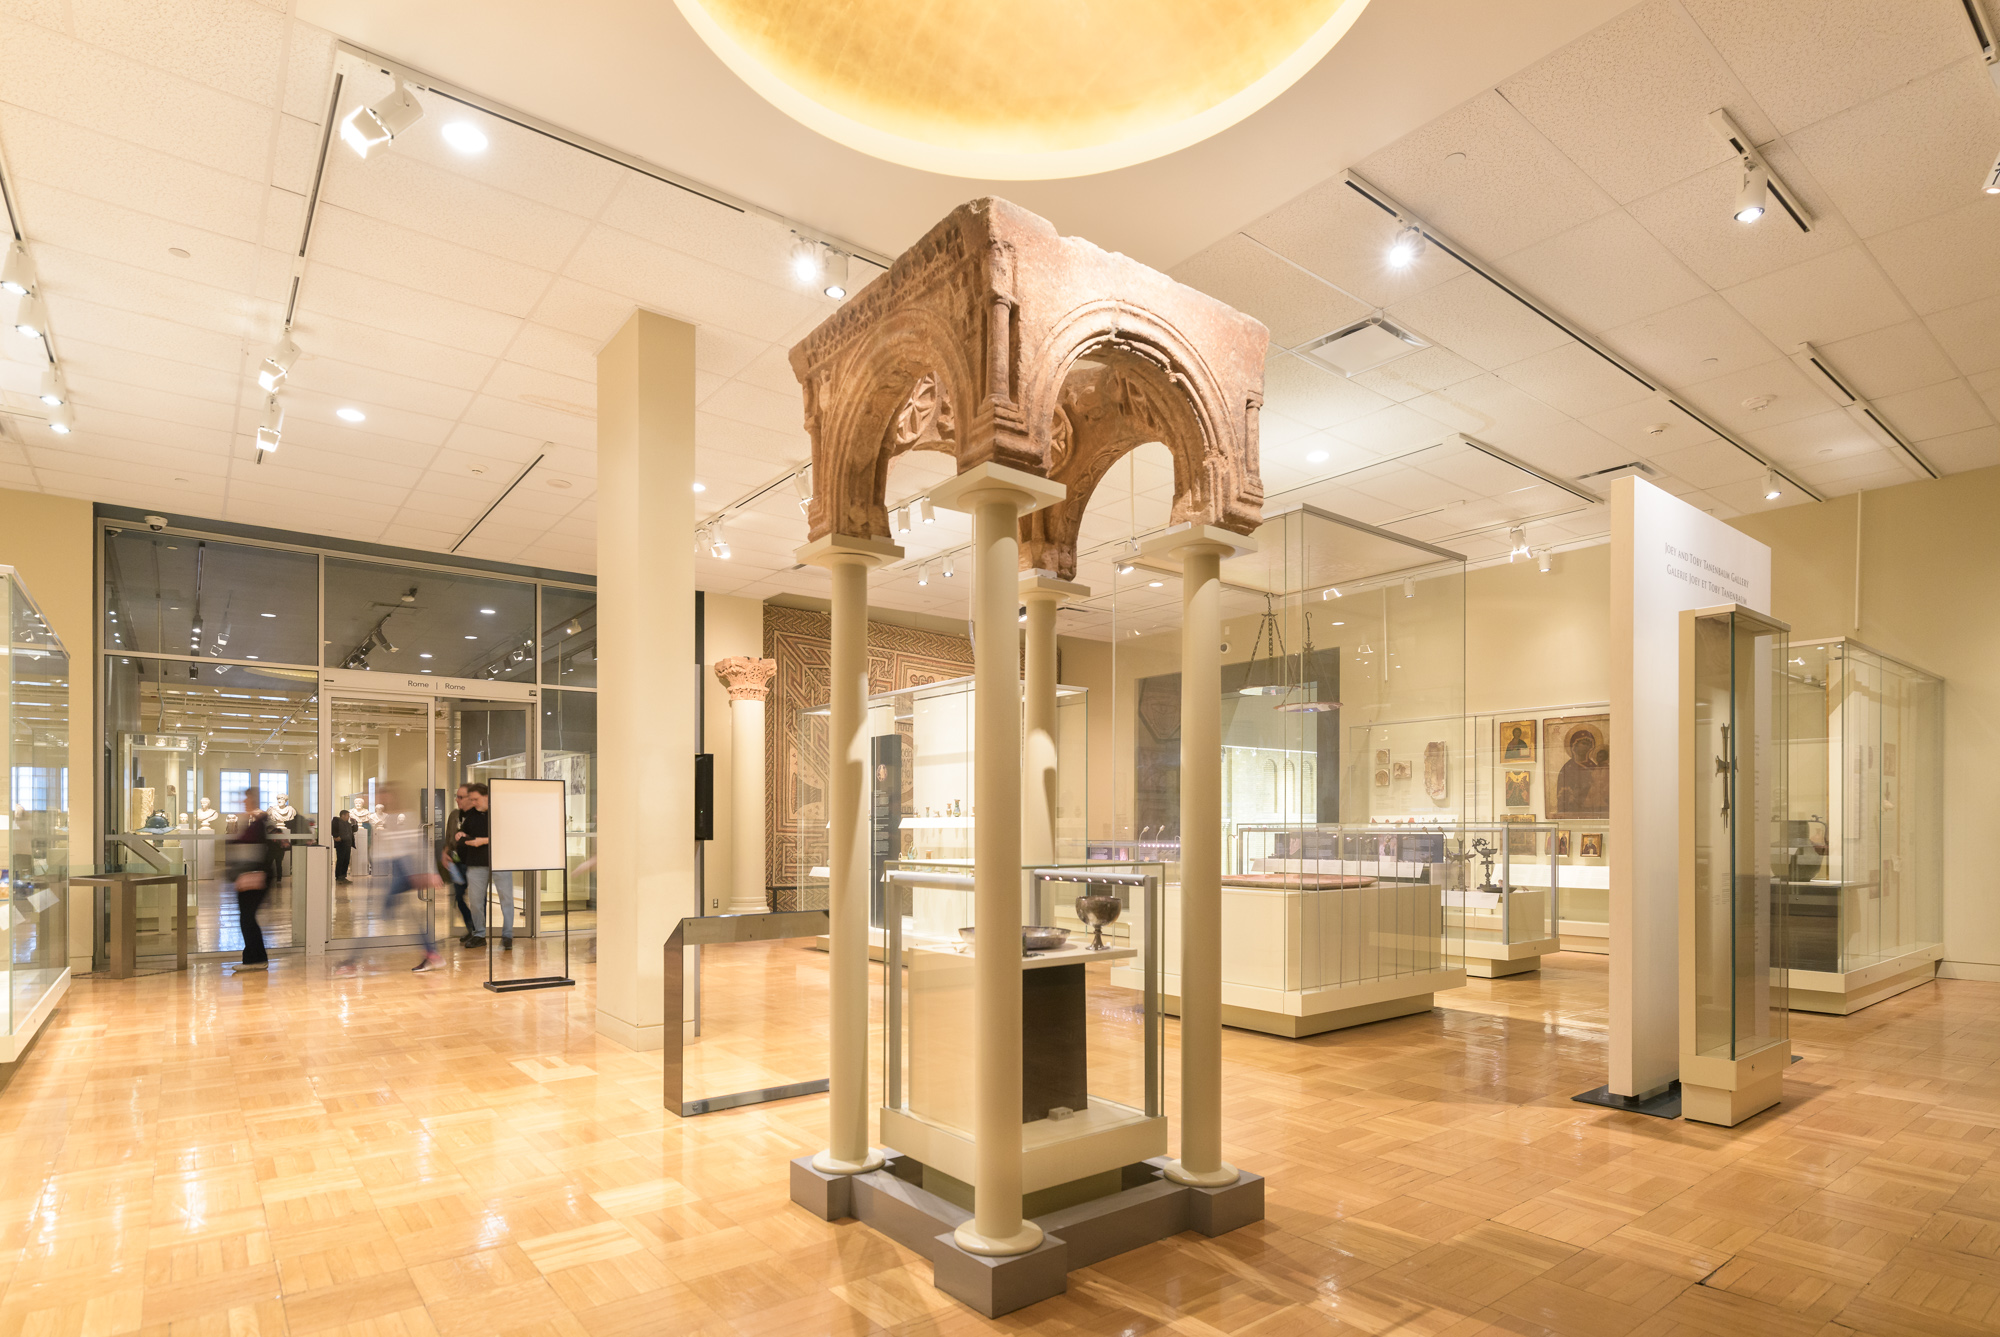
x=249, y=867
x=343, y=844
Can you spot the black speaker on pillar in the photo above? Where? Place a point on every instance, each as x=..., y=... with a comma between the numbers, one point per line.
x=704, y=796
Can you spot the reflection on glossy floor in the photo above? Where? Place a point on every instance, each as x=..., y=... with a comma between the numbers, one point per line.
x=392, y=1153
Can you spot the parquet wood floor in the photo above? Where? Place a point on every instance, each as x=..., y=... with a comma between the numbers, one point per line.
x=388, y=1153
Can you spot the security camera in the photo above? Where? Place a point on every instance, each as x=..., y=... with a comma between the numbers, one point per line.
x=156, y=523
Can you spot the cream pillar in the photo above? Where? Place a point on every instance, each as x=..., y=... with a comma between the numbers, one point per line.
x=645, y=589
x=848, y=560
x=1042, y=593
x=748, y=682
x=1201, y=549
x=996, y=497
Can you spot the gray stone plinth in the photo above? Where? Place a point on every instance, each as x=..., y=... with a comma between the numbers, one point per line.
x=996, y=1286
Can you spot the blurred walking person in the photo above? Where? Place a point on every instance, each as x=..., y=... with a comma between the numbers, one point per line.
x=248, y=867
x=396, y=842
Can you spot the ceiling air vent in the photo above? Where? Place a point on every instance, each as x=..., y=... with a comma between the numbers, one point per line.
x=1633, y=469
x=1363, y=347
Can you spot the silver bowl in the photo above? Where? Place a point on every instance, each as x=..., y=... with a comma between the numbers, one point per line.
x=1033, y=938
x=1096, y=912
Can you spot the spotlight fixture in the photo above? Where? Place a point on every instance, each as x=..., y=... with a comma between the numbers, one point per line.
x=1317, y=457
x=1409, y=587
x=1991, y=185
x=1755, y=194
x=17, y=274
x=367, y=128
x=947, y=566
x=1124, y=568
x=701, y=487
x=718, y=543
x=464, y=136
x=802, y=484
x=279, y=365
x=350, y=415
x=901, y=520
x=1517, y=540
x=924, y=574
x=272, y=428
x=805, y=260
x=836, y=274
x=924, y=508
x=1771, y=489
x=31, y=319
x=52, y=392
x=1543, y=561
x=1406, y=247
x=1328, y=593
x=1023, y=618
x=61, y=420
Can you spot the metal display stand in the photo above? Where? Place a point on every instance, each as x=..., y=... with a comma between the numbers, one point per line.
x=700, y=930
x=536, y=793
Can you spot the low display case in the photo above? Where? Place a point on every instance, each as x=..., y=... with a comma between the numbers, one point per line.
x=36, y=691
x=1736, y=867
x=1551, y=765
x=1093, y=1047
x=1864, y=825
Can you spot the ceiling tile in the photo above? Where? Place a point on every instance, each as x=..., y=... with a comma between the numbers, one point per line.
x=1822, y=436
x=1489, y=408
x=1692, y=342
x=1570, y=449
x=1824, y=300
x=1710, y=464
x=1393, y=430
x=691, y=289
x=1722, y=399
x=1935, y=410
x=1572, y=377
x=666, y=215
x=1890, y=361
x=1486, y=178
x=1606, y=272
x=1420, y=373
x=1911, y=152
x=237, y=46
x=1970, y=334
x=1647, y=427
x=322, y=334
x=84, y=162
x=1808, y=59
x=1976, y=449
x=1340, y=236
x=386, y=305
x=359, y=244
x=1629, y=101
x=1319, y=397
x=1292, y=303
x=1478, y=321
x=412, y=194
x=1948, y=260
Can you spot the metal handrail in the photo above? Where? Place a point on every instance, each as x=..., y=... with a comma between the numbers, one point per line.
x=702, y=930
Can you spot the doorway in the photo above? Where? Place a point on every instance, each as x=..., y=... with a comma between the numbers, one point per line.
x=392, y=766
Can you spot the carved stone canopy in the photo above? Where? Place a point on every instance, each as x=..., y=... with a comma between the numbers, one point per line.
x=747, y=679
x=995, y=339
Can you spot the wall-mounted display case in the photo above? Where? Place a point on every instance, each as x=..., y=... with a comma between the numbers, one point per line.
x=1864, y=822
x=36, y=704
x=920, y=797
x=1737, y=867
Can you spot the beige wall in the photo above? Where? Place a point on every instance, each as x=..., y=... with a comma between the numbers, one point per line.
x=730, y=627
x=1536, y=639
x=48, y=540
x=1928, y=594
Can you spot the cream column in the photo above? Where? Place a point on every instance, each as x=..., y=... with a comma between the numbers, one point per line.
x=748, y=682
x=645, y=589
x=848, y=561
x=1042, y=593
x=1201, y=549
x=996, y=497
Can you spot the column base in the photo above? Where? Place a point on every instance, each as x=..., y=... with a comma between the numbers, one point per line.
x=1025, y=1240
x=1180, y=1174
x=828, y=1164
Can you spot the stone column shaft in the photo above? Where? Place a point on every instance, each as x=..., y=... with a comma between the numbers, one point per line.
x=748, y=681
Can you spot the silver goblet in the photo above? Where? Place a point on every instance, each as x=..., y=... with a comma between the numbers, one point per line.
x=1097, y=911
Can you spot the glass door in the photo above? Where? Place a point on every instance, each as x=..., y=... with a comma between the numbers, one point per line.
x=475, y=742
x=377, y=775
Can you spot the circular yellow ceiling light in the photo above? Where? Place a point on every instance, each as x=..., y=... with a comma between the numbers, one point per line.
x=1025, y=89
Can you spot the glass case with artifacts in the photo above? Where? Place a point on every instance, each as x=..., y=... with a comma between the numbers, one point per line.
x=37, y=693
x=1864, y=822
x=920, y=797
x=1517, y=774
x=1093, y=1047
x=1737, y=867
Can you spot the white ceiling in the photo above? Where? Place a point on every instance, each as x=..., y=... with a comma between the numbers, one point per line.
x=459, y=300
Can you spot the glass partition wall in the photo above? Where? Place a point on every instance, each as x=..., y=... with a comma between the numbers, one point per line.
x=222, y=663
x=36, y=689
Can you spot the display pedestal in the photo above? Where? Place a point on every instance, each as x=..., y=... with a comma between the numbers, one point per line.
x=1489, y=953
x=1841, y=992
x=1727, y=1091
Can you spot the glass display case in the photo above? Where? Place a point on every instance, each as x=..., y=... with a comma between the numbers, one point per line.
x=1864, y=822
x=1552, y=765
x=920, y=798
x=1093, y=1046
x=37, y=704
x=1343, y=720
x=1737, y=866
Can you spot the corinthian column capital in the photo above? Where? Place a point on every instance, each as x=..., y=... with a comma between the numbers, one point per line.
x=747, y=679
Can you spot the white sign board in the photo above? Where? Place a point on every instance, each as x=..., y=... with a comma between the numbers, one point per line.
x=528, y=826
x=1666, y=556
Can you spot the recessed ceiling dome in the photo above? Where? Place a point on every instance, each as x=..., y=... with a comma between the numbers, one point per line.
x=1020, y=89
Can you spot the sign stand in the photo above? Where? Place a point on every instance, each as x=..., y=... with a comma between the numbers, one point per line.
x=530, y=814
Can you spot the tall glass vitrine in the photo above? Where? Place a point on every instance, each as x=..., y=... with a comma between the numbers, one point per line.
x=35, y=697
x=1736, y=866
x=1864, y=818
